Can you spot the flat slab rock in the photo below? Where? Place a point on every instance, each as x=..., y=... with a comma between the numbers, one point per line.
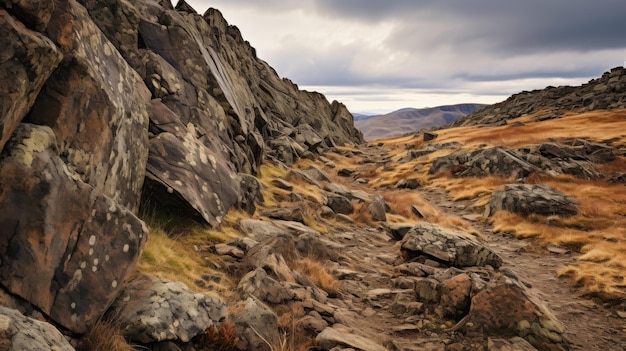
x=454, y=248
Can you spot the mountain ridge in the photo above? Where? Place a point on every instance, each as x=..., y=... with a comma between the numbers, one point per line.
x=410, y=120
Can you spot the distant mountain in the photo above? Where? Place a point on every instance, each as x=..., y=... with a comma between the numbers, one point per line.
x=410, y=120
x=603, y=93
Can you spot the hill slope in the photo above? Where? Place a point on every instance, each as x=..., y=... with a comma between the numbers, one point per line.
x=605, y=92
x=410, y=120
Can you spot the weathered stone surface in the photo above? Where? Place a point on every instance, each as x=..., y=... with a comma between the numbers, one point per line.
x=249, y=193
x=484, y=162
x=35, y=14
x=202, y=178
x=18, y=332
x=331, y=337
x=152, y=310
x=410, y=183
x=65, y=246
x=454, y=248
x=285, y=213
x=507, y=307
x=27, y=59
x=255, y=324
x=339, y=204
x=527, y=199
x=455, y=296
x=377, y=209
x=96, y=105
x=547, y=158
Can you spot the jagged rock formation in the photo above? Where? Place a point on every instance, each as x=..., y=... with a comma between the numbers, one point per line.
x=576, y=158
x=527, y=199
x=606, y=92
x=108, y=105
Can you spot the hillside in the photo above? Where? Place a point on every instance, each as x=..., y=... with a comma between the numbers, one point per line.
x=410, y=120
x=161, y=188
x=605, y=92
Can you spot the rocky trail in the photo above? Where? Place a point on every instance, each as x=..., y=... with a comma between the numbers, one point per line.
x=375, y=297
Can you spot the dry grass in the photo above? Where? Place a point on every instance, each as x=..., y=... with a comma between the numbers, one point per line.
x=600, y=126
x=318, y=274
x=597, y=231
x=105, y=336
x=184, y=256
x=402, y=201
x=469, y=188
x=295, y=338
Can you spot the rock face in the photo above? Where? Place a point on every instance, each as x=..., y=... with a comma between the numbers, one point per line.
x=110, y=104
x=65, y=246
x=527, y=199
x=606, y=92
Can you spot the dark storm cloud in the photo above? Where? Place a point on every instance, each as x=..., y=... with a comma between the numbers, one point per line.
x=506, y=26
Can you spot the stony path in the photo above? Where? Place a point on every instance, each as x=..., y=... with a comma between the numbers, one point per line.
x=589, y=325
x=370, y=288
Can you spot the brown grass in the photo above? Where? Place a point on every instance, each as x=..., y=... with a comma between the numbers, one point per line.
x=596, y=231
x=401, y=202
x=601, y=126
x=318, y=275
x=105, y=336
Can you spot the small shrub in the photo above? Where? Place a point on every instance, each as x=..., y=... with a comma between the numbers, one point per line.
x=222, y=338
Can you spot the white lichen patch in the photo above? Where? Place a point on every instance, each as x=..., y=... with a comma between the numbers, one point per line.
x=34, y=139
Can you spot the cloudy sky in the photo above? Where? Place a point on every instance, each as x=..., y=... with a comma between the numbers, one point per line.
x=379, y=56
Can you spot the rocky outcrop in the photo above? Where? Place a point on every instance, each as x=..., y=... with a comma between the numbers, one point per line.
x=527, y=199
x=606, y=92
x=108, y=105
x=576, y=157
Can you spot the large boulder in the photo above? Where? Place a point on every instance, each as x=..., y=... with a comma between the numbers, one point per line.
x=66, y=247
x=18, y=332
x=152, y=310
x=453, y=248
x=27, y=59
x=506, y=307
x=527, y=199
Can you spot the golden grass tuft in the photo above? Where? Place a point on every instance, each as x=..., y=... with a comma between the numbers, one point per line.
x=319, y=275
x=401, y=202
x=105, y=336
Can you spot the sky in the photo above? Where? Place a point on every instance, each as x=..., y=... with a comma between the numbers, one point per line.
x=378, y=56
